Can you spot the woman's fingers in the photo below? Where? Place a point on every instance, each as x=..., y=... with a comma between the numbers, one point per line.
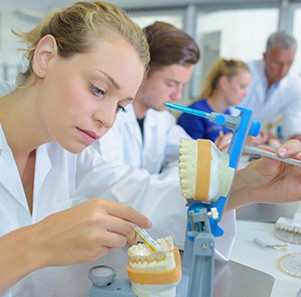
x=85, y=232
x=222, y=142
x=120, y=218
x=128, y=213
x=291, y=148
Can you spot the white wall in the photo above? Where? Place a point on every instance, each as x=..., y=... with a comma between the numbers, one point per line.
x=243, y=32
x=9, y=19
x=297, y=34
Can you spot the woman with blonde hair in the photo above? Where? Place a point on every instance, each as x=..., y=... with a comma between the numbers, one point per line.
x=77, y=79
x=226, y=84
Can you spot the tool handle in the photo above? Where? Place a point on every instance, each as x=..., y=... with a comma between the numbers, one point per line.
x=253, y=150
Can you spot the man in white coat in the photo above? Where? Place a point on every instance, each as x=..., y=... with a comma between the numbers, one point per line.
x=146, y=135
x=276, y=89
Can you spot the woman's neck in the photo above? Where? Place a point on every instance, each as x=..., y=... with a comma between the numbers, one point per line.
x=217, y=103
x=18, y=132
x=18, y=123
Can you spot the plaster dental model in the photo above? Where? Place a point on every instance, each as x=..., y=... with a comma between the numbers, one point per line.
x=204, y=170
x=154, y=274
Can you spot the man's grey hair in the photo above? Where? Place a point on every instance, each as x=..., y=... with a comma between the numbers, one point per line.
x=281, y=39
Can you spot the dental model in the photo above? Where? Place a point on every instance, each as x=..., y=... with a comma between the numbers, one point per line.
x=204, y=170
x=288, y=229
x=154, y=274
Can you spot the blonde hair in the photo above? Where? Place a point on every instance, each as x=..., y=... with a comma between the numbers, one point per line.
x=221, y=67
x=77, y=29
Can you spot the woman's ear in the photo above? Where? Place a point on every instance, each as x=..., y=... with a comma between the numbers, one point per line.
x=223, y=81
x=45, y=51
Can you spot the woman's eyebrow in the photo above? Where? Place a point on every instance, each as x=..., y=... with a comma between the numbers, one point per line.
x=110, y=78
x=114, y=83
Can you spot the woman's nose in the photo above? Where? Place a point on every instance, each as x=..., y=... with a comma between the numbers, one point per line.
x=106, y=117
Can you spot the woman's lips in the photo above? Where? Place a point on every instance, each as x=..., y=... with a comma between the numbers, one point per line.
x=88, y=136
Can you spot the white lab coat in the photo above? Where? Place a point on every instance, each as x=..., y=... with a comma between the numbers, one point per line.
x=157, y=151
x=285, y=99
x=60, y=175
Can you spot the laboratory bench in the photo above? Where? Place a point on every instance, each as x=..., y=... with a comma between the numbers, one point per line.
x=265, y=260
x=251, y=272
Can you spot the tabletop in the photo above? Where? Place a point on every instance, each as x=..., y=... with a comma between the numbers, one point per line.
x=246, y=252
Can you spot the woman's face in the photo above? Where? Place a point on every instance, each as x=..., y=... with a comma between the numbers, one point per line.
x=80, y=96
x=236, y=87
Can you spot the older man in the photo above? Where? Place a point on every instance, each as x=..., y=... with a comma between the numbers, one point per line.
x=276, y=89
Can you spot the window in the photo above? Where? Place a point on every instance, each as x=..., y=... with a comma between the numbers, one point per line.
x=145, y=19
x=237, y=34
x=297, y=34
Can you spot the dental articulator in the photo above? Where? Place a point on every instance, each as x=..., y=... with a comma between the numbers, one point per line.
x=155, y=267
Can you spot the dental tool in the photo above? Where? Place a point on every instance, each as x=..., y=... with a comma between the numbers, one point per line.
x=263, y=244
x=228, y=121
x=148, y=240
x=253, y=150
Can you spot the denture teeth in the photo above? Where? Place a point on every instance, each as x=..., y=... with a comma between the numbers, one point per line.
x=142, y=258
x=188, y=166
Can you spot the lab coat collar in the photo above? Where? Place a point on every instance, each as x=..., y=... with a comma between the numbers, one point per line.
x=42, y=169
x=151, y=117
x=11, y=179
x=283, y=82
x=129, y=119
x=130, y=116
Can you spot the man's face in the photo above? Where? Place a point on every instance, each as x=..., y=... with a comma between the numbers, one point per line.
x=164, y=85
x=278, y=62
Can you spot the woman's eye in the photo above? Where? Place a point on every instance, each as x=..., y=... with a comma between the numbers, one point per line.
x=96, y=91
x=120, y=108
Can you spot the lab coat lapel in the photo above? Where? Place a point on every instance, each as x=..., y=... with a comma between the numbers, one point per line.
x=42, y=169
x=9, y=177
x=151, y=159
x=132, y=121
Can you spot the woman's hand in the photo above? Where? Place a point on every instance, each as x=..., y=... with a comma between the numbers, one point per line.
x=82, y=233
x=262, y=138
x=270, y=181
x=86, y=231
x=223, y=142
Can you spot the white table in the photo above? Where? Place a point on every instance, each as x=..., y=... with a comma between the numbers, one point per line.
x=245, y=282
x=246, y=252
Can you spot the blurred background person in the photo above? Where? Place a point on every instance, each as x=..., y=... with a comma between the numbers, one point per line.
x=226, y=84
x=276, y=88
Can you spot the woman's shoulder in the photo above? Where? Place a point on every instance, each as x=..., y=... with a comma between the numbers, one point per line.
x=201, y=104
